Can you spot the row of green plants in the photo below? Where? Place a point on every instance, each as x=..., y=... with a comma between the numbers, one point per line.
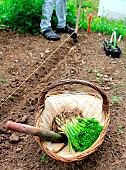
x=24, y=16
x=106, y=26
x=101, y=24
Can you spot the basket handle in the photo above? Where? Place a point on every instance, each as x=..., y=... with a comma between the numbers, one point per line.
x=41, y=99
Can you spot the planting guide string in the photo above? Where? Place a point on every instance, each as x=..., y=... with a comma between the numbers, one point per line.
x=41, y=64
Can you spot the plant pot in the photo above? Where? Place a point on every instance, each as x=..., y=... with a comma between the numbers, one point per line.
x=115, y=53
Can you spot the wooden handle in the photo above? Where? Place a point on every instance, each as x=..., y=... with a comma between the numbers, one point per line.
x=22, y=128
x=78, y=16
x=41, y=99
x=34, y=131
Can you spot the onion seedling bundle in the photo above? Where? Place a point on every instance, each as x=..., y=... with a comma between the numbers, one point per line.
x=81, y=133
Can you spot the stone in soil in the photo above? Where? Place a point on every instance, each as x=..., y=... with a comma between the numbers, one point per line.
x=18, y=149
x=14, y=138
x=24, y=119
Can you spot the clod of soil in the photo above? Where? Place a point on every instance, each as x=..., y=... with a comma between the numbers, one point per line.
x=14, y=138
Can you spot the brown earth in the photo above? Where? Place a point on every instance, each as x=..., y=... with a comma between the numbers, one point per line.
x=27, y=58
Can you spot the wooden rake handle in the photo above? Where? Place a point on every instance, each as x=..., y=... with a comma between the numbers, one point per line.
x=41, y=100
x=78, y=17
x=34, y=131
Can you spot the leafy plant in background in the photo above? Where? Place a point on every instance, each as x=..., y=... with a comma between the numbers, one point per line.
x=108, y=26
x=87, y=4
x=71, y=13
x=23, y=16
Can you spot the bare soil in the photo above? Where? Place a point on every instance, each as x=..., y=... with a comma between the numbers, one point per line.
x=27, y=58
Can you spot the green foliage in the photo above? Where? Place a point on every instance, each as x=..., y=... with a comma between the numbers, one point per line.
x=71, y=13
x=87, y=4
x=81, y=133
x=108, y=26
x=22, y=16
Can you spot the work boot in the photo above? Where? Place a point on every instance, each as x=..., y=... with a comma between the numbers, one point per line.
x=50, y=34
x=66, y=29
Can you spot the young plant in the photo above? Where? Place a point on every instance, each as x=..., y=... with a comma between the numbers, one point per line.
x=91, y=70
x=12, y=98
x=3, y=67
x=111, y=47
x=115, y=98
x=100, y=80
x=2, y=80
x=113, y=43
x=120, y=129
x=44, y=157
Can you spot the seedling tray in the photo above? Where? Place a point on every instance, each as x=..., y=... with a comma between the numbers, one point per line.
x=115, y=53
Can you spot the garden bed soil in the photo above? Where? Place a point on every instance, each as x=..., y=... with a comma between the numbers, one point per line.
x=19, y=57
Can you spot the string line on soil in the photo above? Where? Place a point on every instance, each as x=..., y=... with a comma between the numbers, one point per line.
x=42, y=63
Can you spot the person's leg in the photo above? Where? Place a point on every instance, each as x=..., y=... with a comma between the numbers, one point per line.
x=45, y=25
x=61, y=13
x=47, y=11
x=62, y=26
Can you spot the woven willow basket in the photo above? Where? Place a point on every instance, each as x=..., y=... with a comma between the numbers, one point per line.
x=91, y=105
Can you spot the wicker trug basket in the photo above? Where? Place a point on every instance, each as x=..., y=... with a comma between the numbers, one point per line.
x=51, y=105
